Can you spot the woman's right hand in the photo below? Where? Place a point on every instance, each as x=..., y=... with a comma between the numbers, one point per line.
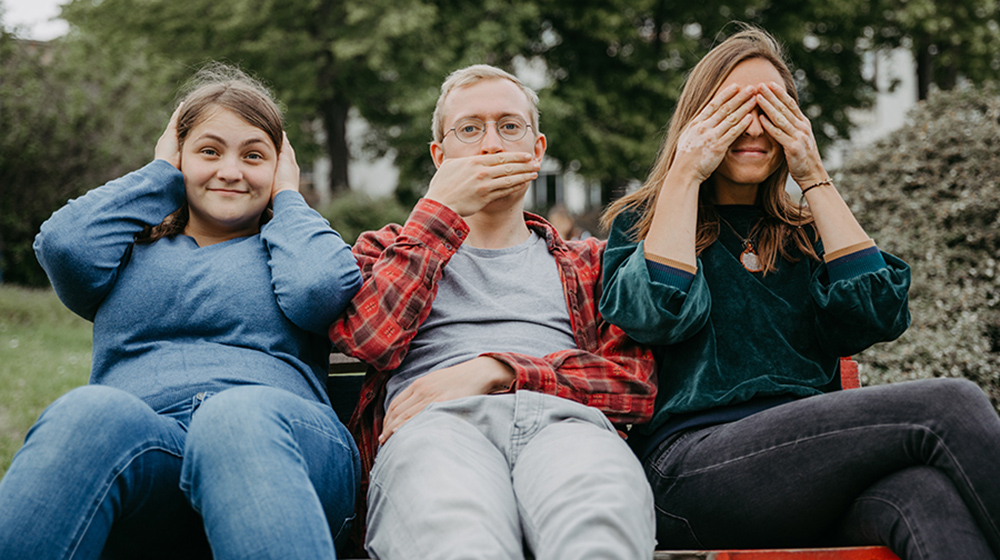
x=706, y=139
x=167, y=147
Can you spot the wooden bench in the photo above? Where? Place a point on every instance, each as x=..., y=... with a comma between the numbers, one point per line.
x=344, y=387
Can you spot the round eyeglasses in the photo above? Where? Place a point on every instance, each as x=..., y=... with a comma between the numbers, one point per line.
x=471, y=130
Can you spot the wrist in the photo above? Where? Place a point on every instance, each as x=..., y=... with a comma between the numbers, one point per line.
x=815, y=185
x=501, y=375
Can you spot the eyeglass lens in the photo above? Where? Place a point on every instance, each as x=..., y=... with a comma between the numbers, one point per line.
x=471, y=129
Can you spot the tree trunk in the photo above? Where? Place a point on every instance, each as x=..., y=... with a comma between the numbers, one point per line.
x=925, y=68
x=334, y=112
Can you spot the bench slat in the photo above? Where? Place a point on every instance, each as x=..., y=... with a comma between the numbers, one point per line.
x=853, y=553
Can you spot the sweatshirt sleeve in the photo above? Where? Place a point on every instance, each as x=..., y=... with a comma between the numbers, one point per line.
x=648, y=307
x=83, y=244
x=313, y=273
x=862, y=296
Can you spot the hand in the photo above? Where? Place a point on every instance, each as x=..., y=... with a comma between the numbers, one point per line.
x=784, y=121
x=705, y=140
x=286, y=173
x=468, y=184
x=167, y=147
x=479, y=376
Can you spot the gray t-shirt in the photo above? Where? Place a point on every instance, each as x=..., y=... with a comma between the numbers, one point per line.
x=490, y=300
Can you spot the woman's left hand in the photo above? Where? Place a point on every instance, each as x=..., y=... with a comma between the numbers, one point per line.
x=784, y=121
x=286, y=173
x=168, y=147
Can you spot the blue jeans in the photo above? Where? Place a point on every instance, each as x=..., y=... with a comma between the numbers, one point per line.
x=101, y=474
x=913, y=466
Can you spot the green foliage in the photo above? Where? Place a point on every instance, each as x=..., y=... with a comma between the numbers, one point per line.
x=949, y=40
x=617, y=69
x=44, y=352
x=384, y=58
x=72, y=116
x=353, y=213
x=930, y=194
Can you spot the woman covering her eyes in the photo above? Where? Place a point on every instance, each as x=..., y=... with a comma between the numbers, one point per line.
x=749, y=300
x=205, y=429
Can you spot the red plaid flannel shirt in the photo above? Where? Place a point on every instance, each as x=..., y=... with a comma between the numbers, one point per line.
x=401, y=267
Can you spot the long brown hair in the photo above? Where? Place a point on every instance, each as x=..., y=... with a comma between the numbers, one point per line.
x=782, y=218
x=217, y=86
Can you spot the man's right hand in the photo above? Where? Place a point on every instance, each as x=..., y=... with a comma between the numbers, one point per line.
x=468, y=184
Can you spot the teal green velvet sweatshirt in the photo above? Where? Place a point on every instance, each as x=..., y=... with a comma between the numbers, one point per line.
x=726, y=335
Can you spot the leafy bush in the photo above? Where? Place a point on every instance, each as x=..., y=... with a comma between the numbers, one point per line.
x=353, y=213
x=72, y=117
x=930, y=194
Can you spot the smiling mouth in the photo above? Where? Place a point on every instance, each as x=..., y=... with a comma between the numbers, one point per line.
x=749, y=151
x=228, y=191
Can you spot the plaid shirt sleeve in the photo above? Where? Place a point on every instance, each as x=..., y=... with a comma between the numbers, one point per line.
x=400, y=267
x=608, y=370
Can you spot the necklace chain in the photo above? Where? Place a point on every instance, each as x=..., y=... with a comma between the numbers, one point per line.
x=748, y=258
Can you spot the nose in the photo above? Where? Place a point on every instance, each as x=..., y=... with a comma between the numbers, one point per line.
x=229, y=170
x=755, y=129
x=491, y=142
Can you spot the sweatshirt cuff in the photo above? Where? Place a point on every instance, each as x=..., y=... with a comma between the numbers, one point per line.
x=670, y=272
x=855, y=260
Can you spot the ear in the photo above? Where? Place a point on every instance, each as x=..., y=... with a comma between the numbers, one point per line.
x=540, y=144
x=437, y=154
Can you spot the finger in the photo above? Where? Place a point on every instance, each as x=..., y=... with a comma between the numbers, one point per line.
x=737, y=120
x=732, y=104
x=735, y=131
x=509, y=182
x=510, y=169
x=715, y=103
x=786, y=99
x=507, y=157
x=172, y=123
x=778, y=115
x=396, y=421
x=783, y=137
x=783, y=105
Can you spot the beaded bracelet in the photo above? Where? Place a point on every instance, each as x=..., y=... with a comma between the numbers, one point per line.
x=819, y=184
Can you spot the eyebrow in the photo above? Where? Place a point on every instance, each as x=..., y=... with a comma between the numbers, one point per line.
x=486, y=117
x=221, y=140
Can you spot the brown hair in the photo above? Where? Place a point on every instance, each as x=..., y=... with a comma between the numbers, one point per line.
x=782, y=217
x=220, y=86
x=465, y=77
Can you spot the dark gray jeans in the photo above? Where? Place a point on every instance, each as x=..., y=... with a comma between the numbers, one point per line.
x=914, y=466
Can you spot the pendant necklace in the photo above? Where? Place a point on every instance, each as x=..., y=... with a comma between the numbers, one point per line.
x=748, y=258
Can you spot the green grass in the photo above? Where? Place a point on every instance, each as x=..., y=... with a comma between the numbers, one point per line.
x=44, y=352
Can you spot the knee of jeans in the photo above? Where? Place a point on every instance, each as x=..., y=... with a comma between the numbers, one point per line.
x=959, y=403
x=95, y=411
x=92, y=420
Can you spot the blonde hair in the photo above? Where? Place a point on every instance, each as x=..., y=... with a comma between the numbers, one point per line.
x=470, y=75
x=782, y=218
x=220, y=86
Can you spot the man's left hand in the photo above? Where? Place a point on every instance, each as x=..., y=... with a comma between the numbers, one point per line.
x=479, y=376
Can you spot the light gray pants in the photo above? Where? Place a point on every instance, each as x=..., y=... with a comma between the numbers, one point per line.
x=480, y=477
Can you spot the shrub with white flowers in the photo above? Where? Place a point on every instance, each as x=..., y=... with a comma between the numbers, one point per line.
x=930, y=194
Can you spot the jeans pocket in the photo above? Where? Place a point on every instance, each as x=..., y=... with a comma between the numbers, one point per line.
x=674, y=532
x=340, y=536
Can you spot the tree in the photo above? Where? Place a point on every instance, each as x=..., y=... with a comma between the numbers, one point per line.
x=949, y=40
x=325, y=58
x=930, y=194
x=617, y=68
x=71, y=118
